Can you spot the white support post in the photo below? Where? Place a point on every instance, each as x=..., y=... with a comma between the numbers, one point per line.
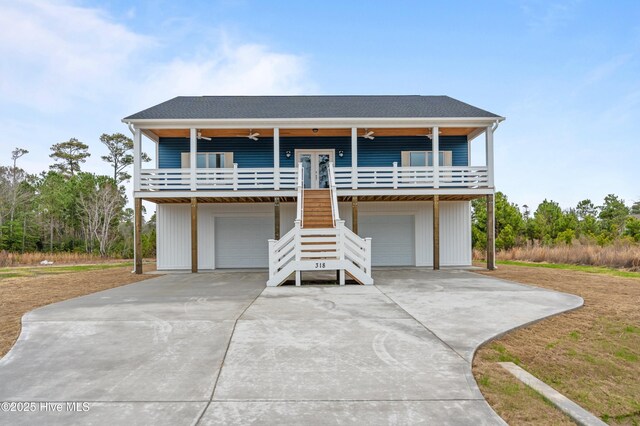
x=395, y=175
x=272, y=258
x=276, y=158
x=341, y=248
x=435, y=148
x=137, y=158
x=489, y=155
x=193, y=149
x=235, y=176
x=354, y=157
x=368, y=255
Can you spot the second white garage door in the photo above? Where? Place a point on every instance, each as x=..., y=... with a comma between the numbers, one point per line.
x=393, y=239
x=242, y=242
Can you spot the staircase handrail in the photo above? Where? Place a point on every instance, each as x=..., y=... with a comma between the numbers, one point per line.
x=335, y=213
x=300, y=188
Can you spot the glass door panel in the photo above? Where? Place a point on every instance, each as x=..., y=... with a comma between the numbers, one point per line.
x=305, y=159
x=315, y=165
x=323, y=170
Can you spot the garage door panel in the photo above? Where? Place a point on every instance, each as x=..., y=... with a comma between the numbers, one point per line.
x=392, y=239
x=242, y=242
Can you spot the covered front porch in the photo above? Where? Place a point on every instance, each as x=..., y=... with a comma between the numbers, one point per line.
x=231, y=161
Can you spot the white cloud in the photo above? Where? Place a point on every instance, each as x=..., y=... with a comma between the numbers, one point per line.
x=232, y=69
x=545, y=17
x=71, y=71
x=55, y=54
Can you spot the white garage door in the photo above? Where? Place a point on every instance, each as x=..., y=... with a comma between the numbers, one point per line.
x=242, y=242
x=393, y=239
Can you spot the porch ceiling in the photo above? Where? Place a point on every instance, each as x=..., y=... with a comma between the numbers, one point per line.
x=230, y=133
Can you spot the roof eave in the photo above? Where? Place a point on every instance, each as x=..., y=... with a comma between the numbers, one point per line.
x=222, y=123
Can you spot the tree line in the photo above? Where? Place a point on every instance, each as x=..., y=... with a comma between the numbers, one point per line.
x=549, y=224
x=68, y=209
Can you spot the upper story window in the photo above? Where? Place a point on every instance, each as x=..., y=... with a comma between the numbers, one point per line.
x=425, y=158
x=209, y=160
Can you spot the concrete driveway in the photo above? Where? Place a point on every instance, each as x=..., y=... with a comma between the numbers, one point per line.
x=220, y=348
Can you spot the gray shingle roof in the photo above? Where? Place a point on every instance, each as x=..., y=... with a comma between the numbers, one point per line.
x=266, y=107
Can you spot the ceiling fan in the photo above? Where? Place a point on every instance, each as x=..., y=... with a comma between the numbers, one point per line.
x=368, y=134
x=203, y=137
x=253, y=136
x=430, y=135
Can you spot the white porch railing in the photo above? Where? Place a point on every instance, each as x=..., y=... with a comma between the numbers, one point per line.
x=411, y=177
x=238, y=179
x=210, y=179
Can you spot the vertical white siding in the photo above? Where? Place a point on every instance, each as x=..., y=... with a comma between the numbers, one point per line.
x=173, y=236
x=206, y=237
x=287, y=217
x=455, y=233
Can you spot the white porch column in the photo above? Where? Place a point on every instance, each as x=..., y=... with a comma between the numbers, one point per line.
x=354, y=157
x=137, y=158
x=276, y=158
x=489, y=155
x=193, y=149
x=435, y=148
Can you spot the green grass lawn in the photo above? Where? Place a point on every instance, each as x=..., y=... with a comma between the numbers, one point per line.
x=581, y=268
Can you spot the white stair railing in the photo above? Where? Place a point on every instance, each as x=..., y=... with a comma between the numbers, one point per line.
x=335, y=212
x=312, y=249
x=300, y=188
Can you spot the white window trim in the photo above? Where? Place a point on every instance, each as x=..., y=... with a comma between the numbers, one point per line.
x=447, y=156
x=185, y=162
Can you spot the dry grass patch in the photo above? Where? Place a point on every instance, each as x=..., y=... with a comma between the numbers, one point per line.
x=19, y=295
x=592, y=355
x=622, y=255
x=34, y=258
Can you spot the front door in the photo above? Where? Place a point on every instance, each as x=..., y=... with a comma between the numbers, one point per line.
x=315, y=164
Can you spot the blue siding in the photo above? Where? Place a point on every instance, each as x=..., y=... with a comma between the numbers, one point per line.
x=383, y=151
x=246, y=152
x=379, y=152
x=320, y=142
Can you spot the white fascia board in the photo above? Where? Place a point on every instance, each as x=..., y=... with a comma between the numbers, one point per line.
x=291, y=193
x=425, y=191
x=296, y=123
x=214, y=194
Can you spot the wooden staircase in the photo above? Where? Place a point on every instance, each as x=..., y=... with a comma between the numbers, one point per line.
x=317, y=209
x=319, y=240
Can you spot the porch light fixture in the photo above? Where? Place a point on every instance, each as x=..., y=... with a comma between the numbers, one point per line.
x=288, y=154
x=341, y=153
x=368, y=134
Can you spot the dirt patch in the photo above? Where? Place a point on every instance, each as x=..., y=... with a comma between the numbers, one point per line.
x=23, y=294
x=592, y=355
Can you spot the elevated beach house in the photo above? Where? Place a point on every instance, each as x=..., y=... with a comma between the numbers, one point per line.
x=300, y=183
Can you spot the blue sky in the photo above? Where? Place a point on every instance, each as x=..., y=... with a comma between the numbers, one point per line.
x=566, y=74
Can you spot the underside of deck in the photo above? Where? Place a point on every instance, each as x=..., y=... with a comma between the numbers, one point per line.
x=188, y=199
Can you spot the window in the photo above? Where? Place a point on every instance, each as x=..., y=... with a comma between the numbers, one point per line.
x=424, y=158
x=209, y=160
